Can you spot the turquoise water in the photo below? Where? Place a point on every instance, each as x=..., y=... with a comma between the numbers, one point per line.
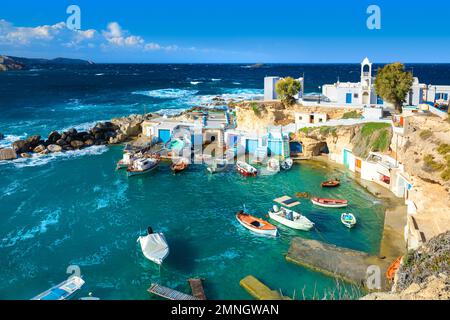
x=77, y=210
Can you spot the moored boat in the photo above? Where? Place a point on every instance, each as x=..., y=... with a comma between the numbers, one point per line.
x=348, y=219
x=273, y=165
x=287, y=164
x=142, y=166
x=216, y=167
x=331, y=184
x=154, y=246
x=180, y=165
x=256, y=225
x=329, y=203
x=63, y=290
x=127, y=160
x=245, y=169
x=290, y=218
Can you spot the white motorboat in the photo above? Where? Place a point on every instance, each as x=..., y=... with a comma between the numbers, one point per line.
x=287, y=164
x=290, y=218
x=329, y=203
x=245, y=169
x=154, y=246
x=63, y=290
x=348, y=219
x=273, y=165
x=142, y=166
x=127, y=160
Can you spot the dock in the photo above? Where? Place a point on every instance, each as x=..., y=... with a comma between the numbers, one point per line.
x=342, y=263
x=259, y=290
x=168, y=293
x=197, y=288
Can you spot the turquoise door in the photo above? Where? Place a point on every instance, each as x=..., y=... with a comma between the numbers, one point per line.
x=380, y=100
x=346, y=160
x=164, y=135
x=275, y=148
x=348, y=98
x=251, y=146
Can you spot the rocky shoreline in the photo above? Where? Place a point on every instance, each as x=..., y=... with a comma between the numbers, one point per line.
x=112, y=132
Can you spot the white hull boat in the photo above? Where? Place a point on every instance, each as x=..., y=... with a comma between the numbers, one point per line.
x=63, y=290
x=290, y=218
x=287, y=164
x=348, y=219
x=154, y=246
x=273, y=165
x=329, y=203
x=256, y=225
x=142, y=166
x=245, y=169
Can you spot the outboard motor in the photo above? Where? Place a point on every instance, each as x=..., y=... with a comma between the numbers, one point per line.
x=275, y=208
x=149, y=230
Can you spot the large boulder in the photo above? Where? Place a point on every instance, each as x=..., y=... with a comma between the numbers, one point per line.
x=89, y=142
x=131, y=129
x=72, y=132
x=117, y=139
x=33, y=141
x=53, y=137
x=7, y=154
x=40, y=148
x=61, y=142
x=26, y=155
x=21, y=146
x=77, y=144
x=53, y=148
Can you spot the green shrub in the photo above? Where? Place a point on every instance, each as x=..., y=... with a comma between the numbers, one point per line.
x=305, y=130
x=255, y=108
x=382, y=142
x=425, y=134
x=369, y=128
x=443, y=149
x=431, y=164
x=445, y=175
x=328, y=130
x=351, y=115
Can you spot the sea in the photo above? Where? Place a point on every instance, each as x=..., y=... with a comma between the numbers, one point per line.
x=74, y=211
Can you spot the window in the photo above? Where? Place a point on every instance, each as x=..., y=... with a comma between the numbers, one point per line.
x=356, y=96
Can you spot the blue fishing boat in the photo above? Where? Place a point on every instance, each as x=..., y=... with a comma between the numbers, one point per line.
x=63, y=290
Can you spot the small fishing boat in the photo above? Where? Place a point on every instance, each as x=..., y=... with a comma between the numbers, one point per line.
x=180, y=165
x=329, y=203
x=331, y=184
x=273, y=165
x=256, y=225
x=127, y=160
x=287, y=164
x=63, y=290
x=290, y=218
x=142, y=166
x=154, y=246
x=216, y=167
x=390, y=273
x=245, y=169
x=348, y=219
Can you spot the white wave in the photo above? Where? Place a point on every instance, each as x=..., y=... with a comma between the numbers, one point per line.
x=170, y=112
x=237, y=83
x=8, y=140
x=167, y=93
x=99, y=74
x=214, y=79
x=50, y=219
x=195, y=82
x=85, y=126
x=40, y=160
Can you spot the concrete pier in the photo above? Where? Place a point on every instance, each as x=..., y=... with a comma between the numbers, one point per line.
x=259, y=290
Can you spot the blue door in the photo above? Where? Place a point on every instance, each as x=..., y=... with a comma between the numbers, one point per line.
x=348, y=98
x=380, y=100
x=164, y=135
x=251, y=146
x=275, y=148
x=346, y=158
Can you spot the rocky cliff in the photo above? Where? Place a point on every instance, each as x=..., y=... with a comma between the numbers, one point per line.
x=8, y=64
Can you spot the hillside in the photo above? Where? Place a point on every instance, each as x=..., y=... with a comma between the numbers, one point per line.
x=8, y=63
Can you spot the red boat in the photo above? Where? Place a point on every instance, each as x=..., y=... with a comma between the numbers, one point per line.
x=245, y=169
x=329, y=203
x=331, y=184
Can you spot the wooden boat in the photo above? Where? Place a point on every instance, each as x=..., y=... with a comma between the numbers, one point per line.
x=154, y=246
x=180, y=165
x=329, y=203
x=256, y=225
x=287, y=164
x=63, y=290
x=245, y=169
x=216, y=167
x=142, y=166
x=348, y=219
x=127, y=160
x=273, y=165
x=331, y=184
x=390, y=273
x=290, y=218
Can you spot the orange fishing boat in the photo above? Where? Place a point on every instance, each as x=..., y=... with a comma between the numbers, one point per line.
x=181, y=165
x=390, y=273
x=256, y=225
x=331, y=184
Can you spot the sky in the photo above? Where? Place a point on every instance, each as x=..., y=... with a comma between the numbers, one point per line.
x=231, y=31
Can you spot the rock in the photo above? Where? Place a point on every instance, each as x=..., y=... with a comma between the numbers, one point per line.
x=89, y=142
x=1, y=136
x=39, y=148
x=68, y=148
x=44, y=152
x=33, y=141
x=7, y=154
x=77, y=144
x=69, y=139
x=131, y=129
x=25, y=155
x=99, y=136
x=61, y=142
x=53, y=148
x=53, y=137
x=117, y=139
x=72, y=132
x=21, y=146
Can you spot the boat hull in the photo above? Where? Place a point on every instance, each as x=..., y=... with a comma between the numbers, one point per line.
x=291, y=224
x=270, y=232
x=348, y=223
x=329, y=205
x=159, y=260
x=245, y=173
x=138, y=173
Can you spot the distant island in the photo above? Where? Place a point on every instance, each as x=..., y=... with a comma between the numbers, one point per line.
x=8, y=63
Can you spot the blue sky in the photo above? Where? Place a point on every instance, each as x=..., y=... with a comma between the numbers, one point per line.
x=295, y=31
